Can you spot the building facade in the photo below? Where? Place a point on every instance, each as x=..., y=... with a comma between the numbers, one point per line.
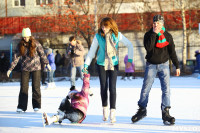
x=134, y=18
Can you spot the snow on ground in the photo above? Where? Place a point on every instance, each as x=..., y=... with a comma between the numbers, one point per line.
x=185, y=102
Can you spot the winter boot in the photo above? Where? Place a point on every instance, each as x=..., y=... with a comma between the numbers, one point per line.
x=129, y=78
x=50, y=120
x=53, y=85
x=141, y=113
x=105, y=113
x=167, y=119
x=49, y=85
x=112, y=116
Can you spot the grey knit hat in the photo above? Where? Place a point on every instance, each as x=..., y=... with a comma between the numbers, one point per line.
x=158, y=18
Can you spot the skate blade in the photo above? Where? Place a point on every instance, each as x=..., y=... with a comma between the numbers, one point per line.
x=105, y=119
x=168, y=123
x=20, y=112
x=44, y=118
x=137, y=119
x=113, y=121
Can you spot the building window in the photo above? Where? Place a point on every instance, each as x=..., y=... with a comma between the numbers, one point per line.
x=82, y=1
x=44, y=2
x=19, y=2
x=74, y=2
x=66, y=2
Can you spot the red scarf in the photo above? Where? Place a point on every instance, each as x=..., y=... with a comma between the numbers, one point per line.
x=162, y=42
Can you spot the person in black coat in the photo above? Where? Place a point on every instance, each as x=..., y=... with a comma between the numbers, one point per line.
x=160, y=48
x=4, y=64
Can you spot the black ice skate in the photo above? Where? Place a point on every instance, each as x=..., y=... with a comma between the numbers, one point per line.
x=167, y=119
x=141, y=113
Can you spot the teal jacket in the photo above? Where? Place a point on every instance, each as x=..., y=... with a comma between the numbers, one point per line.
x=99, y=41
x=101, y=52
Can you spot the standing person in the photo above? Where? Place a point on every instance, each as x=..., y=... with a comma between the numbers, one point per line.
x=31, y=53
x=75, y=52
x=64, y=64
x=58, y=60
x=50, y=74
x=160, y=48
x=43, y=74
x=4, y=65
x=197, y=67
x=76, y=110
x=107, y=40
x=129, y=72
x=197, y=55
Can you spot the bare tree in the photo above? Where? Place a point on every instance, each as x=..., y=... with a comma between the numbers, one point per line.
x=189, y=18
x=184, y=53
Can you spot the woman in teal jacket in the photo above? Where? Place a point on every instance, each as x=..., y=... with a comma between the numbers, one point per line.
x=107, y=40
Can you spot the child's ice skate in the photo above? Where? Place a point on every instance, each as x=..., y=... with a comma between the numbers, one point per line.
x=47, y=119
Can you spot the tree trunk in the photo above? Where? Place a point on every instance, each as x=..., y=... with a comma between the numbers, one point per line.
x=188, y=47
x=184, y=54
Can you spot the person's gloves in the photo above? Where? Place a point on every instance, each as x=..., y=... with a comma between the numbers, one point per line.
x=85, y=69
x=8, y=73
x=48, y=67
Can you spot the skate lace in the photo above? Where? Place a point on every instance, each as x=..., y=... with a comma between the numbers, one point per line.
x=140, y=111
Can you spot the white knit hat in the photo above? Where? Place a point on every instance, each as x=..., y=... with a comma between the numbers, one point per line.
x=26, y=32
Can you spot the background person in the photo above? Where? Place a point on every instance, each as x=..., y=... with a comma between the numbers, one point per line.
x=129, y=72
x=75, y=52
x=50, y=74
x=58, y=61
x=4, y=65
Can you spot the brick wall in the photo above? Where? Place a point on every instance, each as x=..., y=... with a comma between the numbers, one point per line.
x=125, y=21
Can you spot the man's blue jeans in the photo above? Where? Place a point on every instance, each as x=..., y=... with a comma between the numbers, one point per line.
x=73, y=74
x=164, y=75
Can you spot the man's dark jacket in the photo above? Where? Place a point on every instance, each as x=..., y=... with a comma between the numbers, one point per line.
x=157, y=55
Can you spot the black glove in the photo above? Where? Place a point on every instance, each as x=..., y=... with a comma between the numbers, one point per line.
x=72, y=88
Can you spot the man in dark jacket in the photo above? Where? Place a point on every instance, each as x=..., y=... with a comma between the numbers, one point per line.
x=160, y=48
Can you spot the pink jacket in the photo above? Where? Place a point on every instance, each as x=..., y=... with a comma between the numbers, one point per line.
x=83, y=103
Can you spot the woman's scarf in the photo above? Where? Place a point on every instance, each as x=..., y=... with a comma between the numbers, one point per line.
x=162, y=42
x=110, y=51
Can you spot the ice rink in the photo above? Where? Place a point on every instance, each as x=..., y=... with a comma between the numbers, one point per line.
x=185, y=102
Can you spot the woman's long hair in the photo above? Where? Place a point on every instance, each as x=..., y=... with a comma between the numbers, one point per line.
x=107, y=21
x=31, y=45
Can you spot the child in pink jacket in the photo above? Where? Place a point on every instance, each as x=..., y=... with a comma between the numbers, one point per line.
x=75, y=110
